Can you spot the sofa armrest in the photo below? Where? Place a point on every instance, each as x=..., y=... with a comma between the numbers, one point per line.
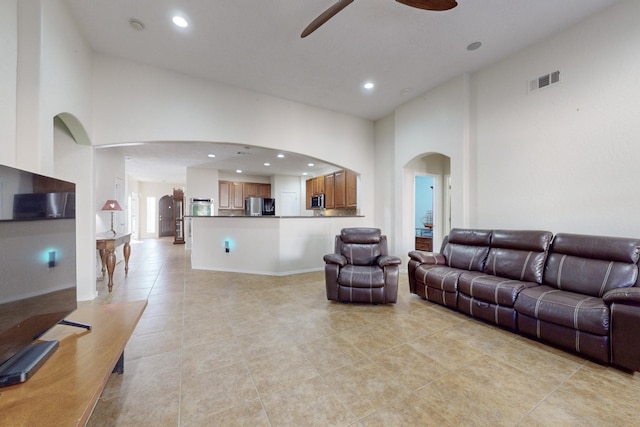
x=335, y=259
x=387, y=260
x=428, y=257
x=623, y=296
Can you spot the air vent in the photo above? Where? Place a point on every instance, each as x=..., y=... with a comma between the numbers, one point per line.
x=544, y=81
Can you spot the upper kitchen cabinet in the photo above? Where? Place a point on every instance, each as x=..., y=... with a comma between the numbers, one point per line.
x=230, y=195
x=340, y=190
x=309, y=190
x=329, y=189
x=351, y=189
x=318, y=185
x=249, y=189
x=339, y=193
x=264, y=191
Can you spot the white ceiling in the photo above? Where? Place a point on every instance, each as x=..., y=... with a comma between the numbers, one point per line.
x=256, y=44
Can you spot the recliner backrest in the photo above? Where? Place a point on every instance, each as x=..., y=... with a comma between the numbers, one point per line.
x=518, y=254
x=361, y=246
x=592, y=265
x=467, y=249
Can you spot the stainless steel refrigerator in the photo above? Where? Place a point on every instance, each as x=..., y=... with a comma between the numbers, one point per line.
x=253, y=206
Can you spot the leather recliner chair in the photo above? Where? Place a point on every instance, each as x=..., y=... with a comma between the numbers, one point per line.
x=361, y=269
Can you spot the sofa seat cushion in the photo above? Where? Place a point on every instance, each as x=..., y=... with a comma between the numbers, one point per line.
x=358, y=276
x=572, y=310
x=439, y=277
x=492, y=289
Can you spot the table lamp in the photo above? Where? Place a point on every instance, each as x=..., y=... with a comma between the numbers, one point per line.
x=111, y=206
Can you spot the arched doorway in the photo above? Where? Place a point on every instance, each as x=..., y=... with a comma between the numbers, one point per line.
x=427, y=184
x=165, y=216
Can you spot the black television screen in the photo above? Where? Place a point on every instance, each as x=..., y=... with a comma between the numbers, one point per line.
x=37, y=264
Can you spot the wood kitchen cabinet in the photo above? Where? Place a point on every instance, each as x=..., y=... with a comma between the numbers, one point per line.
x=318, y=185
x=237, y=199
x=309, y=191
x=231, y=194
x=329, y=188
x=339, y=193
x=264, y=191
x=224, y=195
x=249, y=189
x=351, y=189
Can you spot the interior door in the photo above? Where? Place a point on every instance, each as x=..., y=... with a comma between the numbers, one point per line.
x=165, y=219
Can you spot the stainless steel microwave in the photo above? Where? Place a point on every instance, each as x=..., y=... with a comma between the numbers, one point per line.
x=317, y=201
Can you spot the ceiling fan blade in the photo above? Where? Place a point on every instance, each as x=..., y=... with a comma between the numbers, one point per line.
x=325, y=16
x=436, y=5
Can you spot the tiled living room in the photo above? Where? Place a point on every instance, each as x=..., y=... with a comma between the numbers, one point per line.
x=215, y=348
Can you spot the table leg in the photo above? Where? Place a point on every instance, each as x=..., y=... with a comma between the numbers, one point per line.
x=111, y=265
x=127, y=252
x=103, y=258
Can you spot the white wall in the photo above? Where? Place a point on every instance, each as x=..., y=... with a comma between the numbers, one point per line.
x=46, y=72
x=8, y=76
x=436, y=122
x=202, y=183
x=564, y=158
x=74, y=162
x=176, y=107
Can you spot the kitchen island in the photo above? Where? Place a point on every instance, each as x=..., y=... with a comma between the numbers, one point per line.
x=269, y=245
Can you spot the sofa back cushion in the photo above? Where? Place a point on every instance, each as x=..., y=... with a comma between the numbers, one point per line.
x=518, y=254
x=467, y=249
x=361, y=246
x=592, y=265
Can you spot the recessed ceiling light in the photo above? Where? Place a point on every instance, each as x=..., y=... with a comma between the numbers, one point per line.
x=304, y=174
x=310, y=165
x=368, y=85
x=211, y=155
x=281, y=156
x=136, y=24
x=474, y=46
x=180, y=21
x=238, y=170
x=267, y=164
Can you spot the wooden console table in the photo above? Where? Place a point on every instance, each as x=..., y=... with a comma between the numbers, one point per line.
x=106, y=244
x=64, y=391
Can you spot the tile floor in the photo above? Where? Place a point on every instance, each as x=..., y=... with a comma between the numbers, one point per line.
x=216, y=348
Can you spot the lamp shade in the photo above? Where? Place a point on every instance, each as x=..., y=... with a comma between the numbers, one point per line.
x=112, y=206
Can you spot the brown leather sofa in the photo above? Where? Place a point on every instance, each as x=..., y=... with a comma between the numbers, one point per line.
x=361, y=269
x=577, y=292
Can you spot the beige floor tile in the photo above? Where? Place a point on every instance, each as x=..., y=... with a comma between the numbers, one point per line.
x=218, y=348
x=450, y=353
x=280, y=369
x=246, y=414
x=331, y=353
x=214, y=391
x=364, y=388
x=402, y=363
x=408, y=412
x=308, y=403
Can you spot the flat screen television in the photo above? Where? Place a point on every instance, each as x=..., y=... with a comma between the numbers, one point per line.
x=37, y=267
